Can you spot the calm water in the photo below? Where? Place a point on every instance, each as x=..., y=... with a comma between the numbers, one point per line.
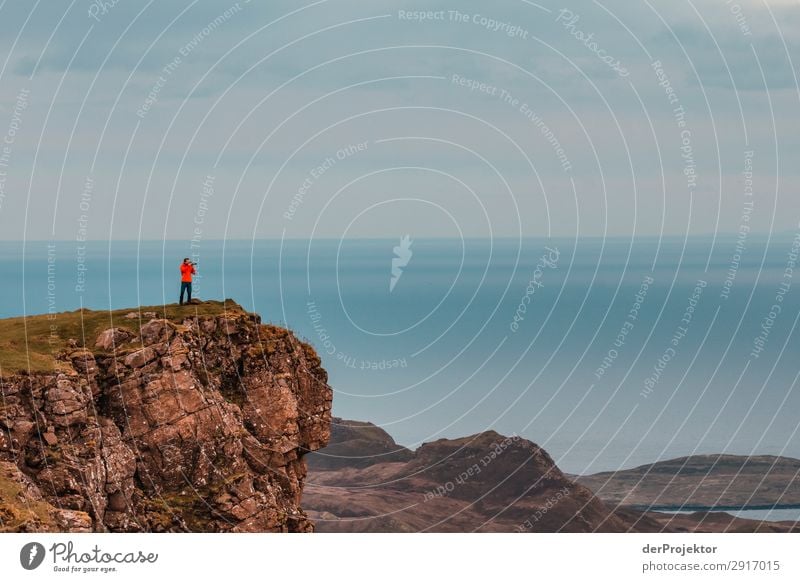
x=441, y=354
x=760, y=514
x=769, y=514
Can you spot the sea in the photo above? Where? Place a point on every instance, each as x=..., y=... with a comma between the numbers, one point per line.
x=608, y=352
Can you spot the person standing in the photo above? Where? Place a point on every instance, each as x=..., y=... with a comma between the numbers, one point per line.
x=187, y=270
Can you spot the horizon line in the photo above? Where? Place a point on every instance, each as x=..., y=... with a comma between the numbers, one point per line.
x=382, y=238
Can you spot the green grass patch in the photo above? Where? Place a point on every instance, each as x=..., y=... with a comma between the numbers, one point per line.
x=31, y=343
x=17, y=511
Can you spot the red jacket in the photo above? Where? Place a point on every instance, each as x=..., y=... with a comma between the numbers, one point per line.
x=186, y=273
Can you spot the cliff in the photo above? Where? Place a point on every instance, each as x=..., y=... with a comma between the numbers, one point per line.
x=192, y=418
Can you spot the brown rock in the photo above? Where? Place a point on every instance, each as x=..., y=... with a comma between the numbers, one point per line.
x=84, y=362
x=117, y=502
x=111, y=339
x=175, y=362
x=65, y=403
x=141, y=357
x=156, y=331
x=73, y=521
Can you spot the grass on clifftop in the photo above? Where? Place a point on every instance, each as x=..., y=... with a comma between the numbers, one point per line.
x=17, y=509
x=48, y=334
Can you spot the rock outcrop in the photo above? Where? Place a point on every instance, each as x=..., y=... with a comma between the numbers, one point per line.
x=192, y=423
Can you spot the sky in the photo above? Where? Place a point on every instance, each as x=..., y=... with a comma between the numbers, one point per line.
x=184, y=119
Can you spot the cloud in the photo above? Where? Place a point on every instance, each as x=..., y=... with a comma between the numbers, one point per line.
x=379, y=48
x=728, y=61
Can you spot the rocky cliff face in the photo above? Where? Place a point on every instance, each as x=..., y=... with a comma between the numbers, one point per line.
x=194, y=423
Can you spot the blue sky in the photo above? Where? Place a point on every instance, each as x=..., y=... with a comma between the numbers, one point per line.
x=182, y=127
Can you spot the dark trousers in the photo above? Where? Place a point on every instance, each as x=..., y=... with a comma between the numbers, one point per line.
x=186, y=287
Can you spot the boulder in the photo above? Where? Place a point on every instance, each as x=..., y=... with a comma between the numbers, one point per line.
x=141, y=357
x=111, y=339
x=156, y=331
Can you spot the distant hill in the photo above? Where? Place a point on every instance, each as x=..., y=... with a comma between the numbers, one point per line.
x=364, y=482
x=702, y=481
x=358, y=445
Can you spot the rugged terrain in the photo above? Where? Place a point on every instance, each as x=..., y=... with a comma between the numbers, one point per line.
x=703, y=481
x=201, y=418
x=192, y=418
x=363, y=481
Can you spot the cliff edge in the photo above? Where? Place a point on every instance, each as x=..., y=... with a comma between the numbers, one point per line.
x=192, y=418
